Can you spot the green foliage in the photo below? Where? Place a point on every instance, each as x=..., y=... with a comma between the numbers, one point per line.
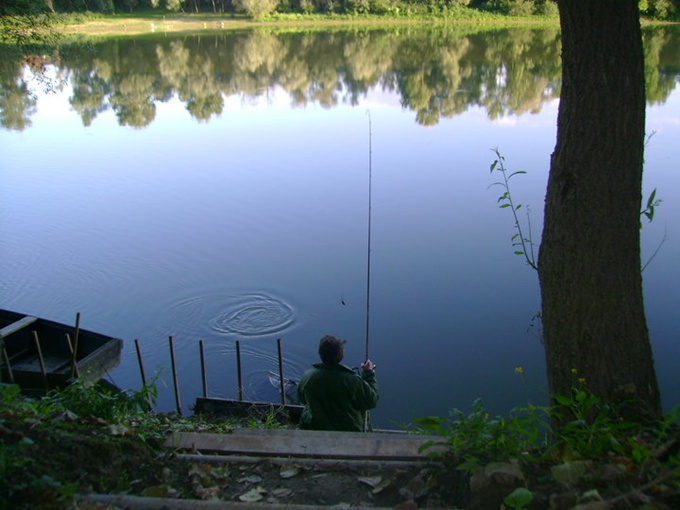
x=659, y=9
x=652, y=204
x=457, y=9
x=256, y=9
x=578, y=427
x=99, y=6
x=11, y=453
x=14, y=454
x=85, y=398
x=477, y=438
x=23, y=22
x=586, y=426
x=272, y=419
x=519, y=499
x=307, y=6
x=547, y=8
x=131, y=4
x=523, y=243
x=174, y=5
x=521, y=8
x=359, y=6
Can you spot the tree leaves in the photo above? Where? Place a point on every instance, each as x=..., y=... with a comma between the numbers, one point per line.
x=524, y=244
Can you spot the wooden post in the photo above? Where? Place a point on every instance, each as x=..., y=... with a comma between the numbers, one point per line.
x=41, y=360
x=143, y=373
x=238, y=370
x=174, y=375
x=7, y=364
x=203, y=377
x=70, y=349
x=281, y=380
x=141, y=363
x=75, y=347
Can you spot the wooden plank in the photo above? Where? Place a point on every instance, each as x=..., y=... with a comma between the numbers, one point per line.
x=152, y=503
x=16, y=326
x=306, y=443
x=242, y=408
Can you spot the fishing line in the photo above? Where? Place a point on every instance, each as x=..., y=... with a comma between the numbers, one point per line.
x=368, y=264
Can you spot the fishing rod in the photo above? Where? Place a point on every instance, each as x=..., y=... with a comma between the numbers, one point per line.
x=367, y=422
x=368, y=264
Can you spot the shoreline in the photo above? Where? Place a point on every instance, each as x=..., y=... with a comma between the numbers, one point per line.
x=220, y=22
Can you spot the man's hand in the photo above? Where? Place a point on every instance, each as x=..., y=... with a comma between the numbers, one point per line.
x=368, y=365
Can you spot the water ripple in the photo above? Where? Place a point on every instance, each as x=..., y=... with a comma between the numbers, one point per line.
x=251, y=314
x=254, y=315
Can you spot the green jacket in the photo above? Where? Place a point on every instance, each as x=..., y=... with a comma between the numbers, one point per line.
x=335, y=397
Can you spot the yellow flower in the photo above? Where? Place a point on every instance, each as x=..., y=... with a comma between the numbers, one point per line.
x=582, y=380
x=519, y=370
x=574, y=371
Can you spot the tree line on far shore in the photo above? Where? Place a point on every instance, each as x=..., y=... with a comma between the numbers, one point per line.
x=470, y=9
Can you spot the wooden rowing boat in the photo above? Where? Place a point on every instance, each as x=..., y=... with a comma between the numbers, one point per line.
x=37, y=354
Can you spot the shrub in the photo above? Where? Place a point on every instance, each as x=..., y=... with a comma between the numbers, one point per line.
x=256, y=8
x=358, y=6
x=307, y=6
x=547, y=8
x=521, y=8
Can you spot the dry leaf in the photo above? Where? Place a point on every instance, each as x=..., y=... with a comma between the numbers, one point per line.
x=200, y=470
x=415, y=488
x=281, y=492
x=118, y=430
x=159, y=491
x=206, y=493
x=382, y=486
x=253, y=495
x=371, y=481
x=569, y=472
x=250, y=479
x=289, y=471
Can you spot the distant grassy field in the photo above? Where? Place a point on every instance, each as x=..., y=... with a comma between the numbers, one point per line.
x=145, y=24
x=140, y=24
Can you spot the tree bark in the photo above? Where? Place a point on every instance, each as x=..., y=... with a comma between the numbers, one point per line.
x=589, y=264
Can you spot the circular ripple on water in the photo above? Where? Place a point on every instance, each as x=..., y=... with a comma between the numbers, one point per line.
x=254, y=315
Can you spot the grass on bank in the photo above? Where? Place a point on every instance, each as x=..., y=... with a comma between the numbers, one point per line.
x=166, y=21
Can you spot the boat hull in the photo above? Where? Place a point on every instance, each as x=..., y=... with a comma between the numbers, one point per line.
x=96, y=355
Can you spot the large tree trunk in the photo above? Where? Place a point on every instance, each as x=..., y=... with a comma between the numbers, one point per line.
x=589, y=264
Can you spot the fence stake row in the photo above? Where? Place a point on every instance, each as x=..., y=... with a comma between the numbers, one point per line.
x=175, y=377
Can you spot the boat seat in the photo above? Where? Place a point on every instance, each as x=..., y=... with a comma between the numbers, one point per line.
x=18, y=355
x=16, y=326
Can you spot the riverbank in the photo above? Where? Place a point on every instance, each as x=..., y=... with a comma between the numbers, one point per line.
x=90, y=450
x=102, y=26
x=186, y=23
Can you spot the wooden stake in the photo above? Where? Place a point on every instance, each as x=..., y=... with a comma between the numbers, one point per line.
x=174, y=375
x=141, y=363
x=143, y=373
x=203, y=377
x=70, y=349
x=6, y=358
x=75, y=347
x=238, y=370
x=40, y=360
x=283, y=384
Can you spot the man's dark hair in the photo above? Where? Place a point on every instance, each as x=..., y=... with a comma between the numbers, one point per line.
x=331, y=349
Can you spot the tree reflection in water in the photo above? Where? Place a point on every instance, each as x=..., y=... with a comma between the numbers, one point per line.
x=436, y=71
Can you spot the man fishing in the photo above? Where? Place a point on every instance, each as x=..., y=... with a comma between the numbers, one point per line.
x=335, y=396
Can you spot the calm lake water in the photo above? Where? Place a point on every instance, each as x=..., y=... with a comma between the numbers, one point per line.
x=215, y=187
